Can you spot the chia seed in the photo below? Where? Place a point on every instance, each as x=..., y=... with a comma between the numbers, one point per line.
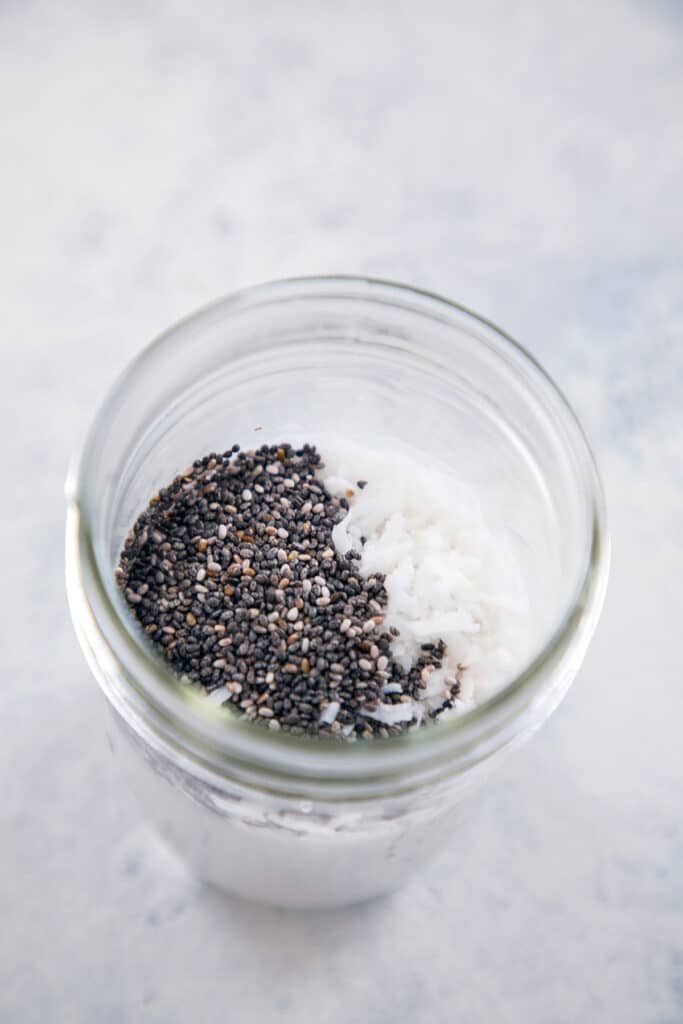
x=239, y=587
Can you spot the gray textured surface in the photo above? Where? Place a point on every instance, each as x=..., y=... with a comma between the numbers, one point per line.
x=525, y=158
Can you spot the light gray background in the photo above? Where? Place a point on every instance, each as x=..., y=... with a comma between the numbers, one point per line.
x=525, y=158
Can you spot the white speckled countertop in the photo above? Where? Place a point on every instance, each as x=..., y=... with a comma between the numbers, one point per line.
x=523, y=158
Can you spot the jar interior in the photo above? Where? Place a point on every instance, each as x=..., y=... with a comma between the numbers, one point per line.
x=393, y=375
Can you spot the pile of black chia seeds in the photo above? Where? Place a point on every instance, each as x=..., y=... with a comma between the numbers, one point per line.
x=232, y=573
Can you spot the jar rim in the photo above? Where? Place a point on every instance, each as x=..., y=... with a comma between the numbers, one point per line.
x=154, y=699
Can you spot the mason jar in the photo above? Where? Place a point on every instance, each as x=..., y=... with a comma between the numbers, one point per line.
x=300, y=821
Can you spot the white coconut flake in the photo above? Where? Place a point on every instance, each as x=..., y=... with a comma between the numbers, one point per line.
x=448, y=575
x=219, y=695
x=343, y=541
x=392, y=714
x=330, y=713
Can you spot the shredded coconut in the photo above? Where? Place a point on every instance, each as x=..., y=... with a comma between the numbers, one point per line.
x=330, y=713
x=449, y=576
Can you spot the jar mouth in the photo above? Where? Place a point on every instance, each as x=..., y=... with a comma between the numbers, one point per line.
x=149, y=695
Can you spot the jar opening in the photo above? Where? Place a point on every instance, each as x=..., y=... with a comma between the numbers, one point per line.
x=386, y=333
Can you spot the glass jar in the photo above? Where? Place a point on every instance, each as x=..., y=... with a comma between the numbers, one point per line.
x=295, y=821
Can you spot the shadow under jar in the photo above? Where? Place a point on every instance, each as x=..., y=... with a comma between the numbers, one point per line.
x=296, y=821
